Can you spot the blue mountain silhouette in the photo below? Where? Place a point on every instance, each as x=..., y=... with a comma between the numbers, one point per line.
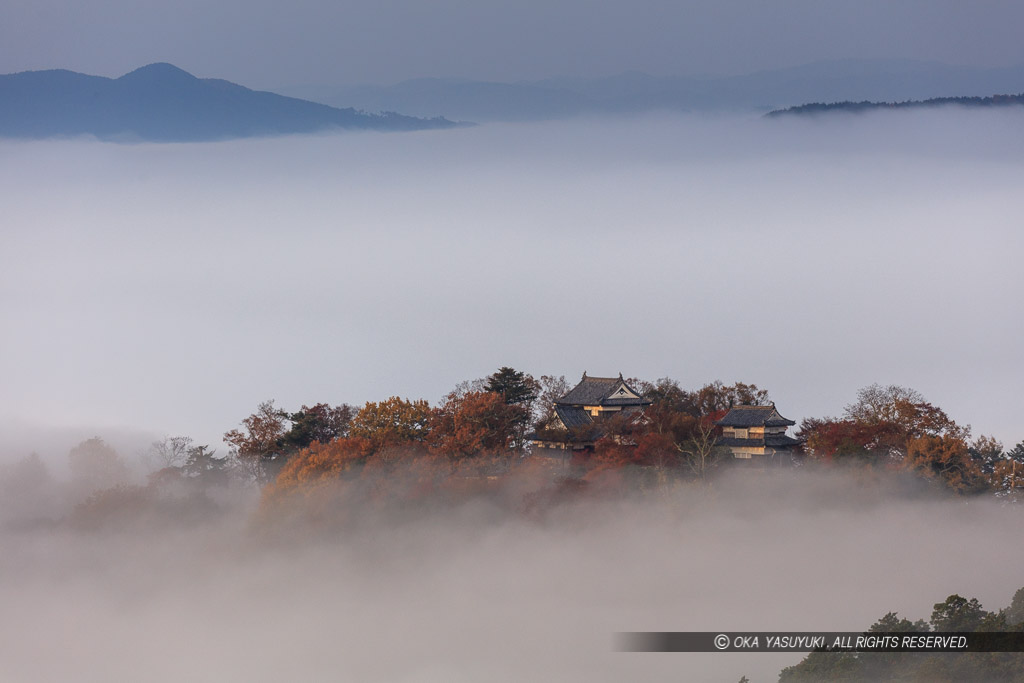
x=161, y=102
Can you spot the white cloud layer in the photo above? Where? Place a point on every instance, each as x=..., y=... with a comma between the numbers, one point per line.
x=170, y=288
x=473, y=594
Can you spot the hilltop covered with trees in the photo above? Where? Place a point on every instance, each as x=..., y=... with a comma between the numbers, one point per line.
x=324, y=460
x=955, y=614
x=895, y=428
x=857, y=107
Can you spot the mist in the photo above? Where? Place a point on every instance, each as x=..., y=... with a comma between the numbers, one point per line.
x=481, y=591
x=148, y=290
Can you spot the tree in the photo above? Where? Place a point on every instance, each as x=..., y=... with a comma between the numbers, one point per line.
x=260, y=444
x=883, y=421
x=514, y=387
x=119, y=505
x=876, y=403
x=891, y=623
x=715, y=397
x=1014, y=614
x=924, y=419
x=320, y=422
x=640, y=386
x=1016, y=453
x=667, y=435
x=667, y=395
x=171, y=451
x=957, y=614
x=830, y=438
x=321, y=463
x=95, y=465
x=201, y=466
x=700, y=448
x=1007, y=477
x=986, y=451
x=467, y=425
x=28, y=474
x=391, y=422
x=27, y=489
x=616, y=448
x=467, y=385
x=671, y=431
x=898, y=424
x=945, y=458
x=552, y=388
x=652, y=449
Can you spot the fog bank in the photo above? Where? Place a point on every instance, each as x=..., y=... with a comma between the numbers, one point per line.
x=473, y=593
x=167, y=289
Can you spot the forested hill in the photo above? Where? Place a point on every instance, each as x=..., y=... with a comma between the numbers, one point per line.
x=161, y=102
x=820, y=108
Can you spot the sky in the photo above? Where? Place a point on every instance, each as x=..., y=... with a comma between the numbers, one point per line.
x=267, y=44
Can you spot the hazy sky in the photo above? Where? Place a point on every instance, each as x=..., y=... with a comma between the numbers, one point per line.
x=266, y=44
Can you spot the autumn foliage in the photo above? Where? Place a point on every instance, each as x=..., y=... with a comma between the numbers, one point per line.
x=393, y=421
x=322, y=463
x=401, y=451
x=470, y=424
x=895, y=427
x=945, y=458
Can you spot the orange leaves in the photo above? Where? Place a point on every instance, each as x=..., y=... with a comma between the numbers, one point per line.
x=884, y=421
x=475, y=422
x=393, y=421
x=906, y=431
x=263, y=429
x=320, y=463
x=945, y=458
x=830, y=438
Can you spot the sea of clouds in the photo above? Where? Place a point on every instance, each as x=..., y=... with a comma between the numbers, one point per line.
x=148, y=290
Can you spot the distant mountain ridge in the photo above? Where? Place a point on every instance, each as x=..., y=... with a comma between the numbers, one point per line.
x=161, y=102
x=820, y=108
x=636, y=92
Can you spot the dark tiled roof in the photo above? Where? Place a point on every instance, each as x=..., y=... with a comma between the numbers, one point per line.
x=593, y=391
x=754, y=416
x=590, y=391
x=573, y=417
x=772, y=441
x=780, y=440
x=729, y=441
x=633, y=409
x=626, y=402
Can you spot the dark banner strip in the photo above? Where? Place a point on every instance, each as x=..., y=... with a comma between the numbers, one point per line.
x=816, y=641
